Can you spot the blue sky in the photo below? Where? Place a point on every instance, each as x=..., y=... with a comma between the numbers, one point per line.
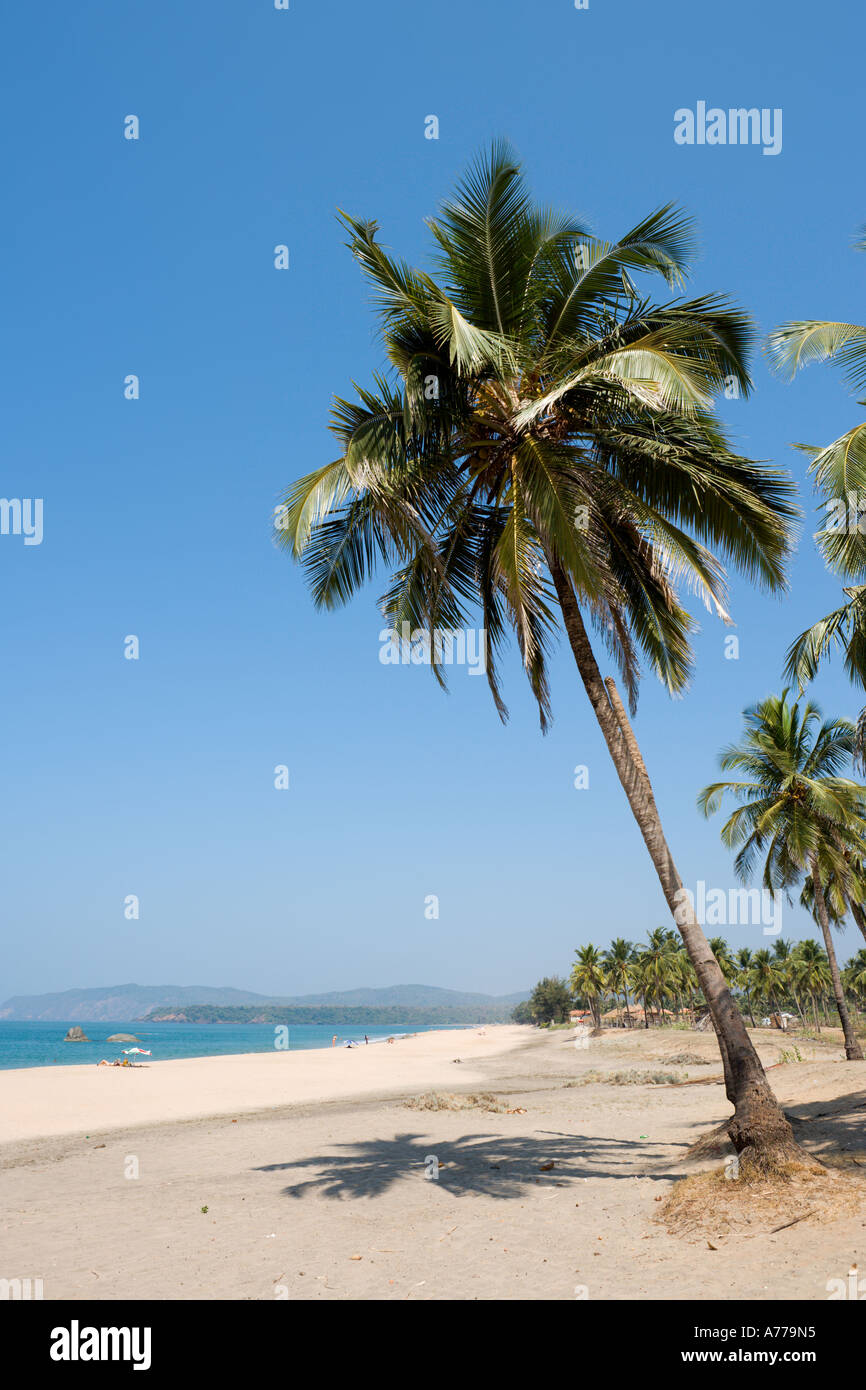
x=155, y=257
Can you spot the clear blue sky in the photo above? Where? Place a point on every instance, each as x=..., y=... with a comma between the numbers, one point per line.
x=155, y=257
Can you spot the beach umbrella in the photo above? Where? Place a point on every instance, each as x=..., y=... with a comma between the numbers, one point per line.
x=142, y=1050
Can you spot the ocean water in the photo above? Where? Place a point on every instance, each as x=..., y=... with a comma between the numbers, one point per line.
x=38, y=1044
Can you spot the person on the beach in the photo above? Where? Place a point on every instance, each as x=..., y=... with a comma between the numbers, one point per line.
x=334, y=1040
x=366, y=1039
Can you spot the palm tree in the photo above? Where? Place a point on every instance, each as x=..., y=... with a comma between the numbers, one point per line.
x=546, y=451
x=810, y=973
x=685, y=981
x=617, y=960
x=657, y=967
x=588, y=979
x=839, y=473
x=795, y=810
x=767, y=978
x=783, y=952
x=722, y=952
x=782, y=949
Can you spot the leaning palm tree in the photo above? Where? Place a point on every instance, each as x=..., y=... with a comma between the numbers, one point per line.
x=839, y=473
x=796, y=811
x=545, y=451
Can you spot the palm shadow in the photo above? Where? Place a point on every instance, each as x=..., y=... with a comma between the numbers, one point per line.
x=826, y=1128
x=493, y=1165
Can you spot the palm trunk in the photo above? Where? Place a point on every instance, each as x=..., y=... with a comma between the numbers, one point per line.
x=758, y=1128
x=853, y=1050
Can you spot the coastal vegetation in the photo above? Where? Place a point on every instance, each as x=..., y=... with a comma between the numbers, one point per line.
x=654, y=984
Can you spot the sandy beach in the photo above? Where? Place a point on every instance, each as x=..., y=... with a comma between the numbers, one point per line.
x=41, y=1101
x=302, y=1175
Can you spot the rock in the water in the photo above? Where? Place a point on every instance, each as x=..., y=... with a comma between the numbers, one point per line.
x=123, y=1037
x=76, y=1034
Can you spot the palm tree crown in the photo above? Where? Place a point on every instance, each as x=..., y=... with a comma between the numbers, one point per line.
x=794, y=805
x=541, y=412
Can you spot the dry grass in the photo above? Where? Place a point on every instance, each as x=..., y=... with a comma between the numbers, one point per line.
x=626, y=1078
x=441, y=1100
x=711, y=1205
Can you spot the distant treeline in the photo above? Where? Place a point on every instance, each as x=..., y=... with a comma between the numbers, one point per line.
x=306, y=1013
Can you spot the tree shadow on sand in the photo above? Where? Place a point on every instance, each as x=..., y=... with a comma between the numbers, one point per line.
x=483, y=1164
x=832, y=1129
x=829, y=1128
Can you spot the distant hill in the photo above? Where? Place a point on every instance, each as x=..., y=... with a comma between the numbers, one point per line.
x=118, y=1003
x=407, y=996
x=123, y=1003
x=357, y=1016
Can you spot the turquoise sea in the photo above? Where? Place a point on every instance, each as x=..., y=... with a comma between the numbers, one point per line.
x=39, y=1044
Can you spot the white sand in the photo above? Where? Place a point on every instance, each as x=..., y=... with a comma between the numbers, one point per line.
x=45, y=1101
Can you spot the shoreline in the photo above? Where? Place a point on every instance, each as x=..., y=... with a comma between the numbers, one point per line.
x=171, y=1041
x=50, y=1101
